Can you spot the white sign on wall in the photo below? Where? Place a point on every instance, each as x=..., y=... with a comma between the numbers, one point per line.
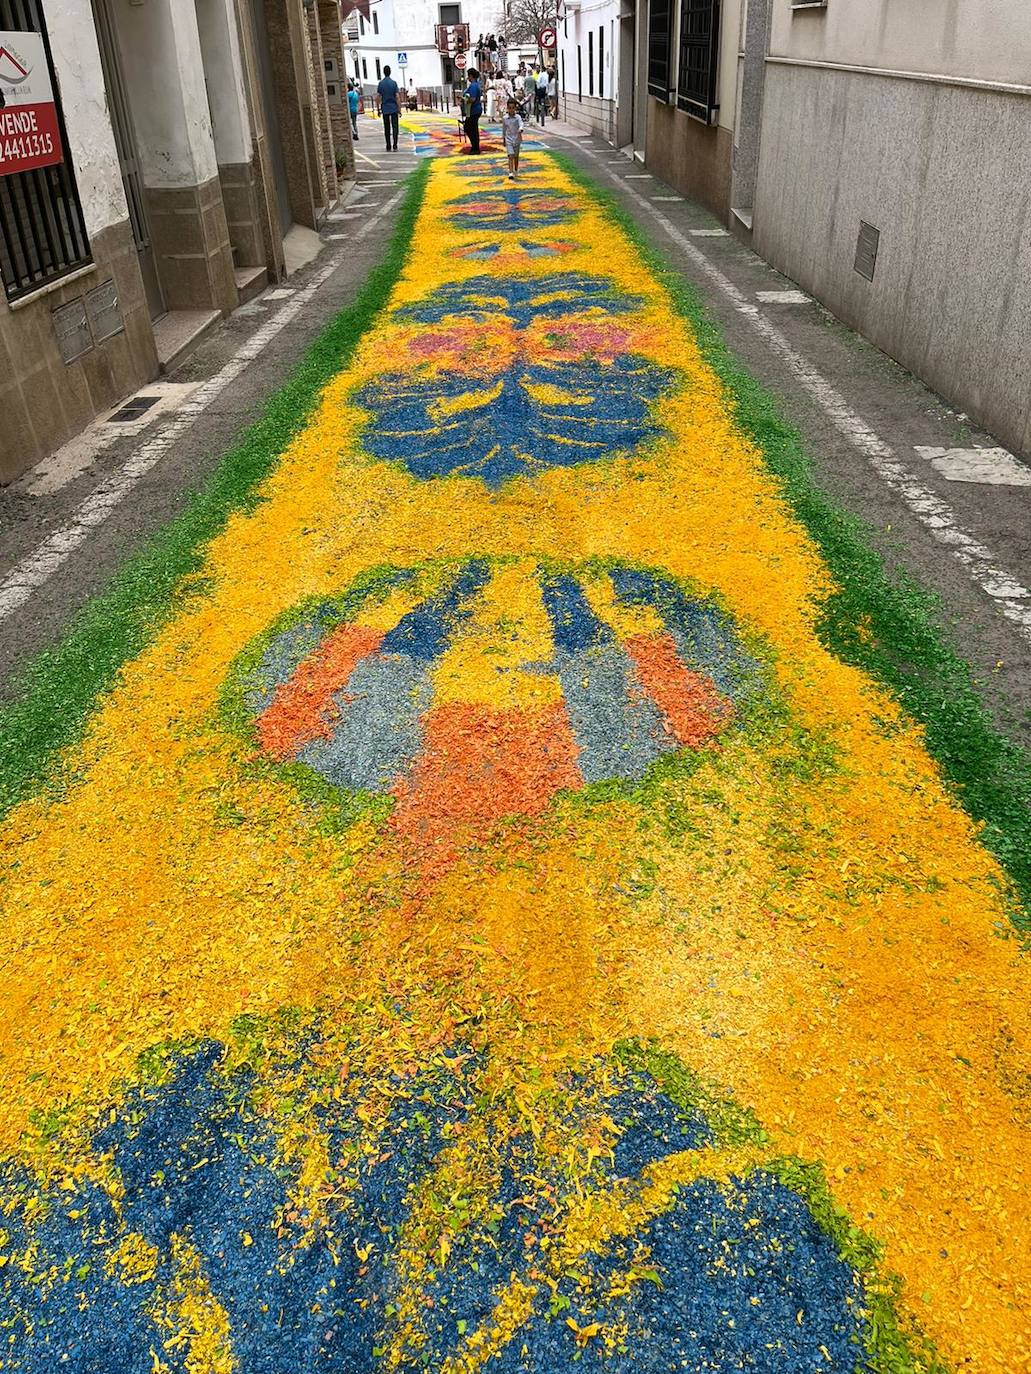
x=29, y=134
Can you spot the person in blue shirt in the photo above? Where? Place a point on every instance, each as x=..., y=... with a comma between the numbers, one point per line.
x=474, y=110
x=352, y=105
x=387, y=103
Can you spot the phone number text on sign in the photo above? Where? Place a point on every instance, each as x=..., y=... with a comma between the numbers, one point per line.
x=29, y=135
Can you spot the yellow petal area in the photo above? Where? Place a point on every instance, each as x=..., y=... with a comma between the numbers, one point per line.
x=493, y=659
x=807, y=918
x=625, y=621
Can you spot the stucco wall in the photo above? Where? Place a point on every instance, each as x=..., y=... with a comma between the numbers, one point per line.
x=73, y=41
x=944, y=172
x=164, y=73
x=223, y=72
x=989, y=40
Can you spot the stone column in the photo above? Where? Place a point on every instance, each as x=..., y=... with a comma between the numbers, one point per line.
x=339, y=119
x=164, y=77
x=320, y=111
x=288, y=40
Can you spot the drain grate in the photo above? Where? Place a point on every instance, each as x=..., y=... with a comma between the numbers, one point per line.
x=133, y=410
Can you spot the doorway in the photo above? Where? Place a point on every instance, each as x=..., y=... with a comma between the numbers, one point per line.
x=128, y=157
x=625, y=80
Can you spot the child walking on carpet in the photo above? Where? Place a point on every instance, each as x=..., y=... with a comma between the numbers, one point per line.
x=512, y=132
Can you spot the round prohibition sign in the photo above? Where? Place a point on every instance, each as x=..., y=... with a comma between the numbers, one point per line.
x=460, y=61
x=547, y=38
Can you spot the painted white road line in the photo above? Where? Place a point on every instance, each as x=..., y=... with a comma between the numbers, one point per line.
x=639, y=176
x=667, y=197
x=783, y=297
x=993, y=466
x=1012, y=598
x=38, y=566
x=709, y=233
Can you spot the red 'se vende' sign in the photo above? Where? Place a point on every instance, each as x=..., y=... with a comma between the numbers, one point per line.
x=29, y=134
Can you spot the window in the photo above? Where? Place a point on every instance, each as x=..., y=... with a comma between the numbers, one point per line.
x=361, y=25
x=365, y=69
x=375, y=22
x=579, y=72
x=601, y=60
x=699, y=58
x=660, y=48
x=450, y=14
x=42, y=230
x=379, y=72
x=590, y=64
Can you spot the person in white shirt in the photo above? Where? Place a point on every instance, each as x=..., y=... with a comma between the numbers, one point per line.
x=540, y=104
x=512, y=132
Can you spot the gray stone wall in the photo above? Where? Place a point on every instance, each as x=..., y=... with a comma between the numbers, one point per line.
x=943, y=172
x=589, y=113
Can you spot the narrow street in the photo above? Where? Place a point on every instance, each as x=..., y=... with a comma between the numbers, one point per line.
x=516, y=834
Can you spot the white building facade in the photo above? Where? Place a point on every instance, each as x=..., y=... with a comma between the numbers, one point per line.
x=590, y=38
x=401, y=34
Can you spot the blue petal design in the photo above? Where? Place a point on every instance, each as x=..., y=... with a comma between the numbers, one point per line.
x=523, y=300
x=197, y=1167
x=599, y=409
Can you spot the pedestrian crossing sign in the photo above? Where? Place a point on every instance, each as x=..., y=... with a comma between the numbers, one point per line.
x=402, y=59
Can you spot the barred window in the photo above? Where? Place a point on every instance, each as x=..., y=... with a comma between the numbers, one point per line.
x=660, y=49
x=699, y=58
x=42, y=230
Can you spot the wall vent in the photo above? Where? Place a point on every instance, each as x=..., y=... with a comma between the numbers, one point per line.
x=866, y=250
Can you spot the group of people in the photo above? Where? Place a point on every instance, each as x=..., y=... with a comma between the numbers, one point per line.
x=490, y=53
x=510, y=100
x=534, y=90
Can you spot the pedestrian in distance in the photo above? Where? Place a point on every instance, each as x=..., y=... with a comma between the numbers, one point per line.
x=389, y=108
x=529, y=92
x=553, y=92
x=352, y=106
x=474, y=110
x=540, y=96
x=512, y=132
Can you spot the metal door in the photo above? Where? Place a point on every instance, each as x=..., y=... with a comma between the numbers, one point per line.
x=268, y=102
x=128, y=158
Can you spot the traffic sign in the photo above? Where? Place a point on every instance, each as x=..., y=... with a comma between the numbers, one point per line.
x=547, y=38
x=402, y=59
x=460, y=61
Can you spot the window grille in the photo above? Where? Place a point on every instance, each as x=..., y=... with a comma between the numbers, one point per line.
x=699, y=58
x=590, y=64
x=42, y=230
x=660, y=49
x=601, y=61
